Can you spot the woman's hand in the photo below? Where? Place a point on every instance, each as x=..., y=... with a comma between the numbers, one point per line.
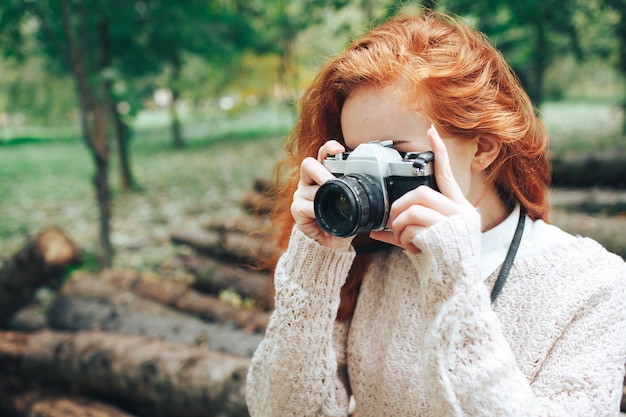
x=312, y=175
x=423, y=206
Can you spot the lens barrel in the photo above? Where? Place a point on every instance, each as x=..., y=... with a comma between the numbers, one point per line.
x=349, y=205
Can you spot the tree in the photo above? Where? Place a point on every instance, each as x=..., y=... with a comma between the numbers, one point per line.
x=215, y=31
x=101, y=43
x=619, y=27
x=530, y=34
x=278, y=24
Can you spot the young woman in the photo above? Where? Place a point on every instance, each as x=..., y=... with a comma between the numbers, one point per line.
x=470, y=304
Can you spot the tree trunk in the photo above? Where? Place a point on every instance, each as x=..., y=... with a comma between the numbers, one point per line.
x=430, y=6
x=539, y=64
x=101, y=182
x=159, y=378
x=127, y=181
x=621, y=32
x=177, y=135
x=40, y=262
x=93, y=122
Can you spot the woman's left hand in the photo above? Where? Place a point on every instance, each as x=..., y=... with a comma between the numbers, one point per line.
x=423, y=206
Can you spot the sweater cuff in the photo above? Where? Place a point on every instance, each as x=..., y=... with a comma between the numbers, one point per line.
x=453, y=242
x=448, y=261
x=312, y=268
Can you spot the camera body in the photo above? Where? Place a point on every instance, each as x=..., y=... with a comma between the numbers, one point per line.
x=368, y=180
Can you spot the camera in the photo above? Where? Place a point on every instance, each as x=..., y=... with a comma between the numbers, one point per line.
x=368, y=180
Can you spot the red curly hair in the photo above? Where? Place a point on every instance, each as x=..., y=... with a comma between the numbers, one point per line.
x=458, y=80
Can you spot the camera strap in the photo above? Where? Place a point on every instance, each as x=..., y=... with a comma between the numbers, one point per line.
x=510, y=256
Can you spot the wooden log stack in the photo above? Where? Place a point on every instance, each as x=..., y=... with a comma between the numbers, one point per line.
x=227, y=252
x=124, y=343
x=128, y=343
x=150, y=376
x=40, y=262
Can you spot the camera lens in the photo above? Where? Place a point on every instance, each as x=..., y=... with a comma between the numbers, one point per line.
x=341, y=207
x=350, y=205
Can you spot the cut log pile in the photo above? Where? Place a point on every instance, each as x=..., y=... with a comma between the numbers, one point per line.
x=41, y=262
x=123, y=343
x=128, y=343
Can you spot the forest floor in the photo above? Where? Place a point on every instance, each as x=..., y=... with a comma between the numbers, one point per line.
x=49, y=184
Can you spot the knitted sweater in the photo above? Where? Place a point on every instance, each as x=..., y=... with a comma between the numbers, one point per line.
x=426, y=341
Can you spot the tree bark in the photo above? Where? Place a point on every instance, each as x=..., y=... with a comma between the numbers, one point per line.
x=173, y=294
x=122, y=131
x=40, y=262
x=21, y=401
x=212, y=277
x=177, y=134
x=159, y=378
x=93, y=120
x=237, y=248
x=105, y=308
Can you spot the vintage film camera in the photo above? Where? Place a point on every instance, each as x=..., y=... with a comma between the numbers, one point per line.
x=369, y=179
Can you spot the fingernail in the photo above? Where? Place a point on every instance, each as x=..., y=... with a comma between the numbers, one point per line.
x=432, y=126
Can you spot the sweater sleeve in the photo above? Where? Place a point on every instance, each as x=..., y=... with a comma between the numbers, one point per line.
x=470, y=366
x=299, y=369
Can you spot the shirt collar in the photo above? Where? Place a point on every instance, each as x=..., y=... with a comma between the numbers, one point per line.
x=495, y=243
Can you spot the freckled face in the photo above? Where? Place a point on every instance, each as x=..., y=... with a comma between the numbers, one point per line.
x=374, y=113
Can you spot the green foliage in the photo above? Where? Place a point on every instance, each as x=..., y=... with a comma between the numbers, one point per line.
x=256, y=52
x=212, y=43
x=34, y=95
x=45, y=183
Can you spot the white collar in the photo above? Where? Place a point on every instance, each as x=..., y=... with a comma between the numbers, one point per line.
x=495, y=243
x=538, y=238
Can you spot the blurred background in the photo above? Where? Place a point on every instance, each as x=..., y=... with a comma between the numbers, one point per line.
x=120, y=118
x=137, y=138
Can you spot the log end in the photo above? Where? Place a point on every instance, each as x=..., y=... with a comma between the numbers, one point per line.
x=56, y=248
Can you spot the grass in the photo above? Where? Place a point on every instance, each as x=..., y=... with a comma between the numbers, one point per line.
x=45, y=183
x=584, y=126
x=49, y=183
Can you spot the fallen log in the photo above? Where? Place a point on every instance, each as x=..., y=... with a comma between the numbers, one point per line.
x=158, y=378
x=584, y=169
x=212, y=277
x=20, y=401
x=174, y=294
x=231, y=247
x=249, y=225
x=258, y=200
x=40, y=262
x=128, y=313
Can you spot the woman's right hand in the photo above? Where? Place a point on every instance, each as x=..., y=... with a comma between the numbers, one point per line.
x=312, y=175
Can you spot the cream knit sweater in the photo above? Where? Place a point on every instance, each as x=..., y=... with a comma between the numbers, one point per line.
x=426, y=341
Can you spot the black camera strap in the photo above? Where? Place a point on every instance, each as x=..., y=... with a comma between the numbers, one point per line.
x=510, y=256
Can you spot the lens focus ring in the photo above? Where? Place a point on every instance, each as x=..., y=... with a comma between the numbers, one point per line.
x=349, y=205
